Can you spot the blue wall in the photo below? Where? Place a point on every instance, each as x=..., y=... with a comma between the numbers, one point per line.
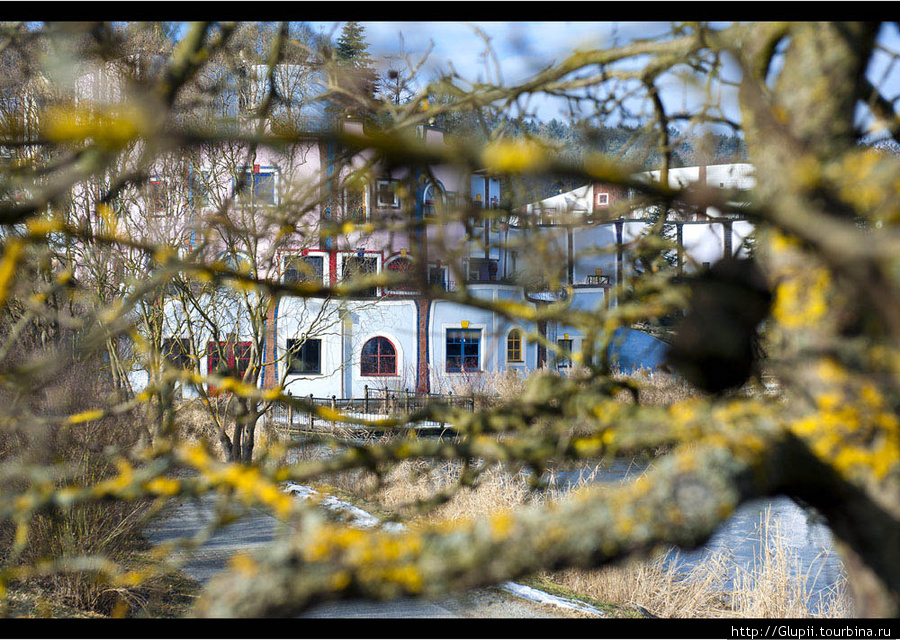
x=632, y=349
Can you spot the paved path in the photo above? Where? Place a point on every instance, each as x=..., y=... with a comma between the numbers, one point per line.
x=258, y=528
x=253, y=532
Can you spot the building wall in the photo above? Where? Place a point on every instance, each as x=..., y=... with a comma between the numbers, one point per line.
x=446, y=315
x=344, y=329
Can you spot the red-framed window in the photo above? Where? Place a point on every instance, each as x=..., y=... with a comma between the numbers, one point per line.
x=402, y=267
x=359, y=266
x=304, y=269
x=228, y=358
x=379, y=358
x=157, y=196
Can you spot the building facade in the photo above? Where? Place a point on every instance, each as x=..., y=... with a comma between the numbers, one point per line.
x=354, y=215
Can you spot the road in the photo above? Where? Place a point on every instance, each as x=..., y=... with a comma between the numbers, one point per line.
x=253, y=532
x=258, y=529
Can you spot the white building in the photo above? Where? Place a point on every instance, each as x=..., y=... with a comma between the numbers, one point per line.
x=405, y=338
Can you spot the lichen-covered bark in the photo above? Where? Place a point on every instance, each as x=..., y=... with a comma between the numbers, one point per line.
x=835, y=313
x=681, y=502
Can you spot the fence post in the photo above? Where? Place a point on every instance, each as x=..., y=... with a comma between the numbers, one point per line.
x=333, y=407
x=406, y=402
x=366, y=399
x=311, y=417
x=450, y=393
x=290, y=416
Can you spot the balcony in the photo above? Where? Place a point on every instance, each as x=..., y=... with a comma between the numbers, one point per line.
x=597, y=280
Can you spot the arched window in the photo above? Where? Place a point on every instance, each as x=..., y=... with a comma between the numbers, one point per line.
x=402, y=267
x=514, y=346
x=379, y=358
x=429, y=197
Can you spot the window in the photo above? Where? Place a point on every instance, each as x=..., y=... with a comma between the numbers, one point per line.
x=108, y=208
x=157, y=196
x=357, y=266
x=402, y=269
x=483, y=270
x=379, y=358
x=356, y=199
x=304, y=269
x=603, y=199
x=235, y=260
x=257, y=186
x=304, y=356
x=437, y=277
x=177, y=352
x=564, y=356
x=463, y=350
x=514, y=346
x=386, y=194
x=200, y=193
x=431, y=196
x=228, y=358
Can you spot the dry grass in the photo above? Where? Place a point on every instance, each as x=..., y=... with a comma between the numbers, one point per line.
x=774, y=587
x=409, y=483
x=81, y=455
x=194, y=423
x=657, y=388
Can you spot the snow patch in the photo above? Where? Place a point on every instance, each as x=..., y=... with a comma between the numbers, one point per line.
x=354, y=516
x=542, y=597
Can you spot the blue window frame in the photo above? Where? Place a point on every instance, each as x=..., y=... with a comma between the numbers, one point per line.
x=463, y=350
x=258, y=186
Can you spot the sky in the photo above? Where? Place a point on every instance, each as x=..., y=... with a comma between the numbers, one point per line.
x=523, y=48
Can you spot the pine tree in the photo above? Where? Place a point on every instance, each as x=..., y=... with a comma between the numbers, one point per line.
x=352, y=49
x=355, y=69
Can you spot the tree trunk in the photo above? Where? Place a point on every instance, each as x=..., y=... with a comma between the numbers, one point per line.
x=250, y=437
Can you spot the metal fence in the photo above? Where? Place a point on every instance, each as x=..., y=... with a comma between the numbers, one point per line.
x=375, y=404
